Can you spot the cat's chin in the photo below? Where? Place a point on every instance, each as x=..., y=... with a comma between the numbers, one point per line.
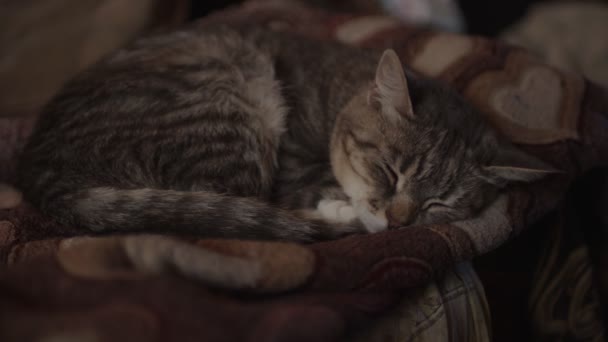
x=371, y=222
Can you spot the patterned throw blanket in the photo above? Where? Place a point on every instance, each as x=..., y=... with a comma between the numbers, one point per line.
x=56, y=283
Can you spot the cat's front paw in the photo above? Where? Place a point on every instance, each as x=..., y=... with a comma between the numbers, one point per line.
x=336, y=211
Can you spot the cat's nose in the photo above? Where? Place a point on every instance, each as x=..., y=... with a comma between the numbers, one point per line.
x=401, y=212
x=394, y=222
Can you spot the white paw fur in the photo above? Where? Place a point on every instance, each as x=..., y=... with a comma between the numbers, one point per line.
x=336, y=210
x=371, y=222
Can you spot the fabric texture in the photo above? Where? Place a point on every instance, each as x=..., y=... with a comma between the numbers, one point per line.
x=44, y=43
x=569, y=35
x=143, y=287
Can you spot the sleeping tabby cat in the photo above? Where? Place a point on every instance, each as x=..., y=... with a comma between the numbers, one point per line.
x=248, y=133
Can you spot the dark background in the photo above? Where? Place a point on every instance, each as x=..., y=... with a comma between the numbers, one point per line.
x=486, y=17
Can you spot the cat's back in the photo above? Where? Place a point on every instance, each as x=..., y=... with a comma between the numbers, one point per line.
x=164, y=71
x=142, y=114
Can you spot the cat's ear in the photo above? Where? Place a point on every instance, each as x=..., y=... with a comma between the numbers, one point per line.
x=513, y=165
x=390, y=85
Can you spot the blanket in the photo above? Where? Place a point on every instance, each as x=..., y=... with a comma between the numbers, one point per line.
x=540, y=31
x=140, y=287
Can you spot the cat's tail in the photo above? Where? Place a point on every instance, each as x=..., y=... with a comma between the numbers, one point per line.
x=200, y=213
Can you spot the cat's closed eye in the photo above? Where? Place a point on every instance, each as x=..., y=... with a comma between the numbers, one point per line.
x=435, y=205
x=390, y=174
x=386, y=178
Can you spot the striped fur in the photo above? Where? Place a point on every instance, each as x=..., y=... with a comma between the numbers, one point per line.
x=227, y=133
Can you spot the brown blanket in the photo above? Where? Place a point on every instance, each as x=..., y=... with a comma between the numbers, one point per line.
x=54, y=282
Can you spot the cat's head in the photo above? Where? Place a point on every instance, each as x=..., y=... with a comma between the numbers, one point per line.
x=417, y=154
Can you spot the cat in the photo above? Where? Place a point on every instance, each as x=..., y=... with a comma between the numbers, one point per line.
x=242, y=132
